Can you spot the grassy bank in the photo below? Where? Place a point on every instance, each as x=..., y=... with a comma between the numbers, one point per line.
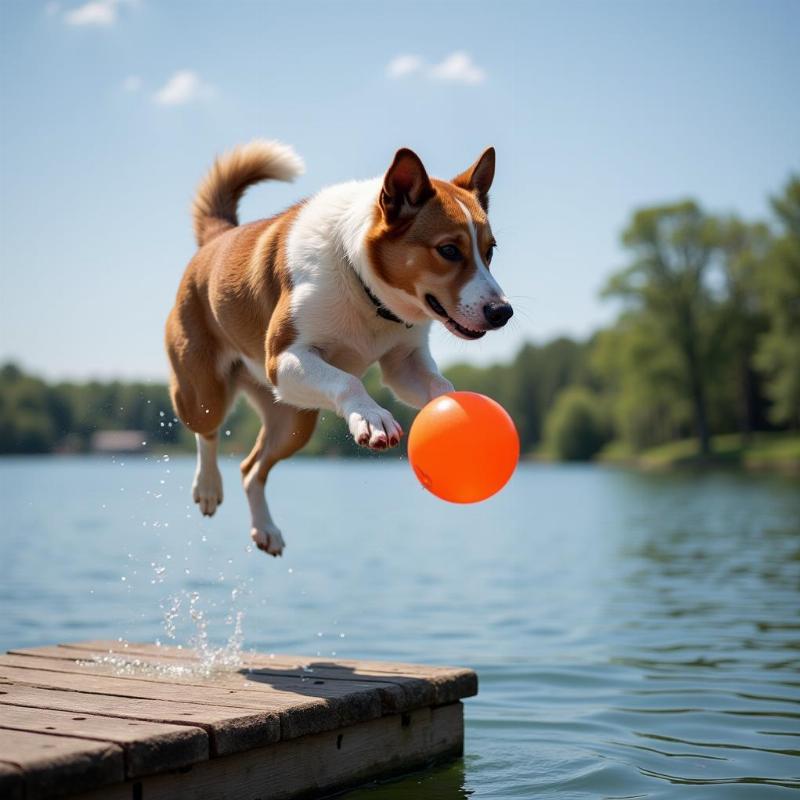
x=762, y=451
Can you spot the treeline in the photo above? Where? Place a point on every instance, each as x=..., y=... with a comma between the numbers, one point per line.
x=707, y=342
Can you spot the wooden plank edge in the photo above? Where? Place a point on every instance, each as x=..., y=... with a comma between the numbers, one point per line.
x=157, y=751
x=75, y=765
x=313, y=766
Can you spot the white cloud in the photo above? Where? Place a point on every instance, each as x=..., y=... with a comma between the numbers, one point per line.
x=185, y=86
x=99, y=13
x=458, y=67
x=95, y=12
x=403, y=65
x=132, y=83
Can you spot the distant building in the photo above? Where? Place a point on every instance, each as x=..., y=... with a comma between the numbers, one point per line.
x=117, y=441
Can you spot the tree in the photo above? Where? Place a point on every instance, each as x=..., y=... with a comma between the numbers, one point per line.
x=25, y=422
x=536, y=376
x=779, y=349
x=640, y=383
x=742, y=248
x=574, y=429
x=665, y=284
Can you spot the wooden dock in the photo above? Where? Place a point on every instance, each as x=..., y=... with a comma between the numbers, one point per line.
x=107, y=720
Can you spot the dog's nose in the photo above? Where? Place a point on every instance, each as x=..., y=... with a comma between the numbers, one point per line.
x=497, y=314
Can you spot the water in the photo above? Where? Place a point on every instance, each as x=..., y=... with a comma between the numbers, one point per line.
x=635, y=635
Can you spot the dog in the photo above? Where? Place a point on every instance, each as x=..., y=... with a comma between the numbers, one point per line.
x=291, y=310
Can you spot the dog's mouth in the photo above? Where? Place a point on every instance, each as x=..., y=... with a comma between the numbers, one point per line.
x=454, y=327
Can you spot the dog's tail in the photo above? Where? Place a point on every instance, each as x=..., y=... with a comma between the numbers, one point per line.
x=214, y=207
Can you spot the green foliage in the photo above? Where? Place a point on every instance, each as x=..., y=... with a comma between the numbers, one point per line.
x=36, y=417
x=779, y=282
x=764, y=450
x=666, y=288
x=641, y=382
x=26, y=421
x=575, y=429
x=737, y=398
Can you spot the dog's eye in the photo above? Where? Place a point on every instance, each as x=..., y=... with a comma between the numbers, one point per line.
x=449, y=252
x=490, y=253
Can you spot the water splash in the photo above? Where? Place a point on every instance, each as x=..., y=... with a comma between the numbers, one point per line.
x=201, y=659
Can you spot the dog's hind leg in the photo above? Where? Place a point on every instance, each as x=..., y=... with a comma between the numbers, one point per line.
x=201, y=393
x=284, y=430
x=207, y=484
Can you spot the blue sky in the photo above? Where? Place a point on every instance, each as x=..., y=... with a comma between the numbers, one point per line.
x=111, y=110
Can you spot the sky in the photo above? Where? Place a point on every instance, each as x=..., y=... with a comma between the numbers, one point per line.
x=111, y=110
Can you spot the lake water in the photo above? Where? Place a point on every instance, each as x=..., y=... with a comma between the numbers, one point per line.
x=636, y=635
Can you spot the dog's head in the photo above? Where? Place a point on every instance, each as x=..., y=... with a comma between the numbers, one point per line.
x=431, y=245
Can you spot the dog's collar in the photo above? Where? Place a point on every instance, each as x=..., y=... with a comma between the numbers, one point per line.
x=380, y=308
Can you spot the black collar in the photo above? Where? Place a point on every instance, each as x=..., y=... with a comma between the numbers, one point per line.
x=380, y=308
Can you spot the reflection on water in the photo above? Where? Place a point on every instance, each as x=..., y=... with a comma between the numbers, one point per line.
x=635, y=635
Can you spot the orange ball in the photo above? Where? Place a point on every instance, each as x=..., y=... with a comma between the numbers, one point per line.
x=463, y=447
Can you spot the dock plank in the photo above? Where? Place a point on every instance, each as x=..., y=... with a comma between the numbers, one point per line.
x=398, y=692
x=146, y=669
x=149, y=747
x=230, y=730
x=360, y=667
x=57, y=765
x=418, y=683
x=303, y=707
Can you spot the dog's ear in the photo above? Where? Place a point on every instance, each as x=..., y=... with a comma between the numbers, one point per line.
x=478, y=178
x=406, y=187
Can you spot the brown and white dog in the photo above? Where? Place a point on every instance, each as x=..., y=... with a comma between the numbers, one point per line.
x=292, y=310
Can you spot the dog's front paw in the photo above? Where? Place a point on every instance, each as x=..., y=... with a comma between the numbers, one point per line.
x=269, y=540
x=374, y=427
x=207, y=490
